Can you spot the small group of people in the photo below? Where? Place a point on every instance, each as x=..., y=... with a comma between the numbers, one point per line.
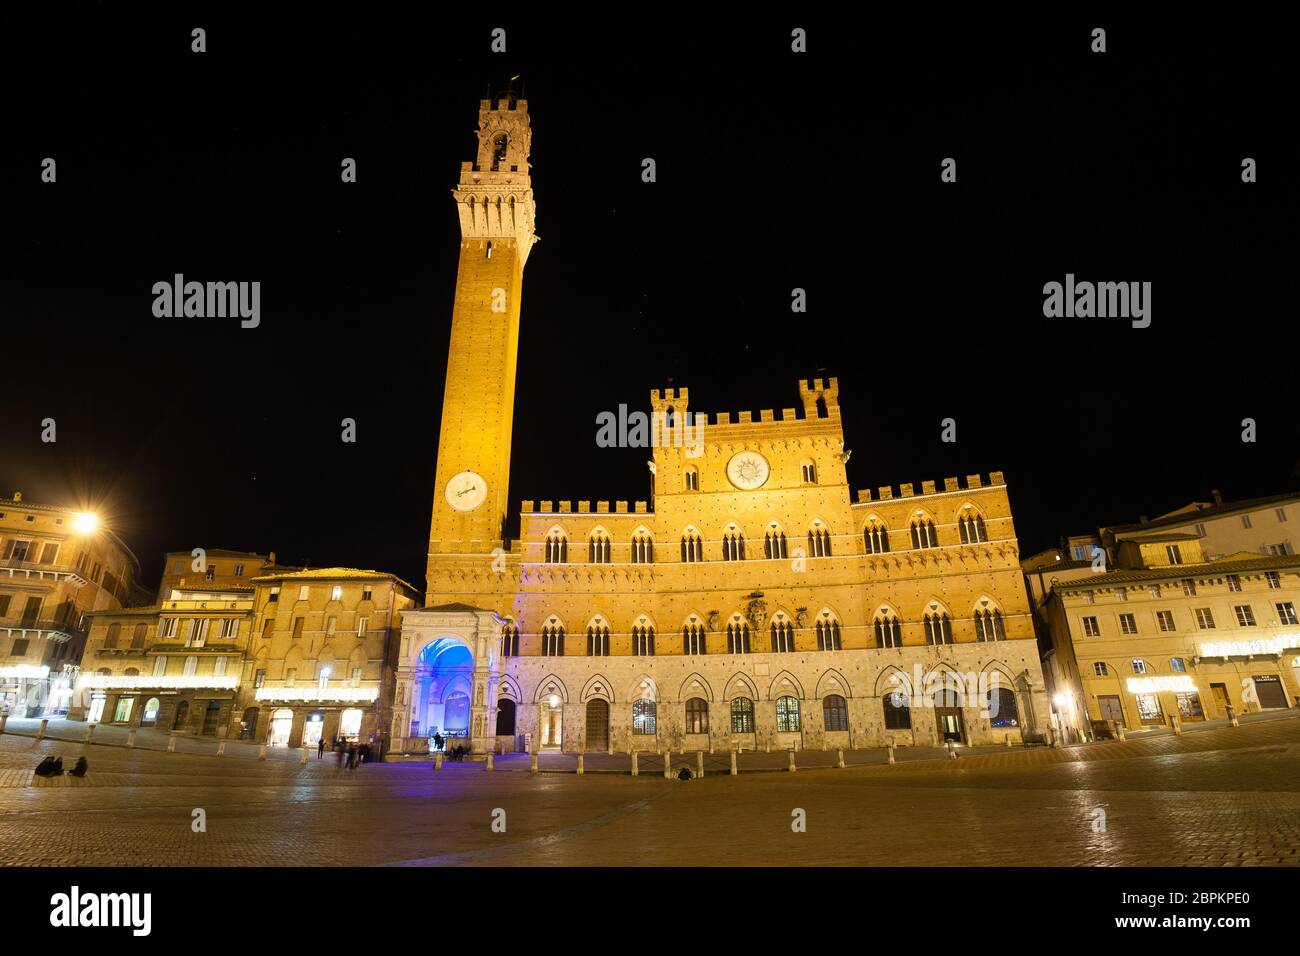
x=53, y=767
x=347, y=753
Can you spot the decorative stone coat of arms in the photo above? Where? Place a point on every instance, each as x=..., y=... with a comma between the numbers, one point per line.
x=756, y=611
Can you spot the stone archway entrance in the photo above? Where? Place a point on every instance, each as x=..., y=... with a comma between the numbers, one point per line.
x=550, y=722
x=443, y=681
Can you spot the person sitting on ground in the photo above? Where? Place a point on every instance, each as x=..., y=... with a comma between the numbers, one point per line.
x=80, y=769
x=684, y=774
x=45, y=768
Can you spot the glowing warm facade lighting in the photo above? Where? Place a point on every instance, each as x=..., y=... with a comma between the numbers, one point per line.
x=308, y=694
x=85, y=523
x=1272, y=645
x=143, y=681
x=1154, y=685
x=25, y=672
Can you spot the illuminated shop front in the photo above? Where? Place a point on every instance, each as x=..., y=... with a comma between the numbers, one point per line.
x=186, y=703
x=304, y=716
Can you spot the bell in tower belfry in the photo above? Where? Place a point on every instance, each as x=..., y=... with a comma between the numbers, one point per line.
x=494, y=203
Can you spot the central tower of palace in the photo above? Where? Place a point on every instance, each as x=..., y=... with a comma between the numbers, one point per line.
x=494, y=199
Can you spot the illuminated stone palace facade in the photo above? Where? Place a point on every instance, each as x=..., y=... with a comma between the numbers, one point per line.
x=754, y=601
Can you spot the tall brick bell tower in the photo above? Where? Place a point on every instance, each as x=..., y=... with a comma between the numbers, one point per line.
x=494, y=198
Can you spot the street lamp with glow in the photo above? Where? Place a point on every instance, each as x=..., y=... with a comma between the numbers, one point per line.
x=85, y=523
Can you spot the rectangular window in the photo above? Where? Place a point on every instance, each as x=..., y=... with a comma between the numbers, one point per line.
x=1139, y=666
x=219, y=666
x=191, y=666
x=290, y=675
x=303, y=592
x=159, y=666
x=1281, y=514
x=1189, y=705
x=1149, y=707
x=298, y=624
x=336, y=593
x=1280, y=550
x=1245, y=521
x=5, y=600
x=49, y=552
x=1090, y=628
x=1127, y=624
x=331, y=624
x=356, y=677
x=1274, y=581
x=123, y=711
x=167, y=628
x=229, y=628
x=1204, y=619
x=1165, y=619
x=362, y=624
x=275, y=595
x=259, y=678
x=1245, y=615
x=1200, y=529
x=1234, y=582
x=20, y=647
x=239, y=570
x=1189, y=587
x=1286, y=613
x=367, y=594
x=1174, y=553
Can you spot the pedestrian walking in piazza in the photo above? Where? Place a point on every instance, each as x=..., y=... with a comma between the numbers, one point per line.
x=338, y=754
x=320, y=747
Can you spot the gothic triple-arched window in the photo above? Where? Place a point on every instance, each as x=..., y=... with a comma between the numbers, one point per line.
x=693, y=641
x=598, y=639
x=643, y=547
x=557, y=548
x=988, y=625
x=643, y=638
x=889, y=630
x=774, y=545
x=819, y=541
x=924, y=534
x=782, y=635
x=737, y=636
x=553, y=639
x=938, y=627
x=598, y=547
x=876, y=537
x=828, y=633
x=972, y=530
x=509, y=639
x=692, y=546
x=733, y=544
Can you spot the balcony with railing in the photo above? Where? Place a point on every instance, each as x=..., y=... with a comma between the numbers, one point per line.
x=53, y=630
x=12, y=570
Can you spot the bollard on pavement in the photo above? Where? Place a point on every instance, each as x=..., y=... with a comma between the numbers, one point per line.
x=699, y=763
x=1008, y=740
x=891, y=752
x=734, y=771
x=305, y=751
x=261, y=751
x=1120, y=730
x=634, y=768
x=4, y=719
x=1178, y=726
x=171, y=742
x=221, y=747
x=488, y=765
x=792, y=767
x=840, y=758
x=90, y=732
x=534, y=767
x=668, y=763
x=130, y=738
x=437, y=761
x=40, y=733
x=581, y=767
x=952, y=751
x=1232, y=716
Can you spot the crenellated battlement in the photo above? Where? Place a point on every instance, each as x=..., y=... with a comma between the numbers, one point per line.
x=529, y=507
x=908, y=490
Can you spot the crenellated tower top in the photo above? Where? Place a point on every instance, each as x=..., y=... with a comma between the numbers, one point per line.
x=494, y=196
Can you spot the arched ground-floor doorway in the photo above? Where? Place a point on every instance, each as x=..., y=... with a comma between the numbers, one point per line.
x=597, y=724
x=550, y=722
x=313, y=728
x=150, y=715
x=182, y=715
x=443, y=681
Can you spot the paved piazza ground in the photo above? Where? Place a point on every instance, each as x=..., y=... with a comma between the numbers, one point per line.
x=1214, y=796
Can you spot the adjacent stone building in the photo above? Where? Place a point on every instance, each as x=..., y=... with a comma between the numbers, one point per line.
x=56, y=565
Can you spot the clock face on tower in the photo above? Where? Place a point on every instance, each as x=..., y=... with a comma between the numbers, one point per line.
x=748, y=470
x=466, y=491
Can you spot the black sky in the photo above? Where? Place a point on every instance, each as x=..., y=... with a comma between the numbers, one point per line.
x=775, y=171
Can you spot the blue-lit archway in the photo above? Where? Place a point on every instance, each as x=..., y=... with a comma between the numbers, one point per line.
x=443, y=684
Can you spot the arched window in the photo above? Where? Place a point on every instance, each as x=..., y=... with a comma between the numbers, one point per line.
x=110, y=639
x=938, y=627
x=643, y=547
x=733, y=544
x=924, y=534
x=509, y=639
x=1139, y=666
x=809, y=470
x=137, y=638
x=819, y=541
x=553, y=639
x=557, y=548
x=782, y=635
x=742, y=716
x=787, y=715
x=697, y=716
x=598, y=547
x=693, y=641
x=643, y=639
x=1002, y=707
x=876, y=538
x=889, y=630
x=828, y=633
x=670, y=417
x=835, y=712
x=505, y=717
x=988, y=626
x=1178, y=665
x=598, y=639
x=499, y=146
x=737, y=637
x=692, y=546
x=971, y=527
x=898, y=714
x=692, y=479
x=643, y=716
x=774, y=545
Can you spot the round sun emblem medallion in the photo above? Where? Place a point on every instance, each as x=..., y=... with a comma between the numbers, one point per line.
x=748, y=470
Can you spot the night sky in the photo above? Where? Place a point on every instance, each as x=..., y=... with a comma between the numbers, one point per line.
x=775, y=171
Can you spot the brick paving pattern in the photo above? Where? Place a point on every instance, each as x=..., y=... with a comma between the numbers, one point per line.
x=1218, y=796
